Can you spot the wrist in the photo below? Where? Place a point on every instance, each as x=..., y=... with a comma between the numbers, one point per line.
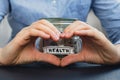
x=118, y=52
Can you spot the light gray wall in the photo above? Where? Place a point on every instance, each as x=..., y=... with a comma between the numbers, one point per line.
x=5, y=32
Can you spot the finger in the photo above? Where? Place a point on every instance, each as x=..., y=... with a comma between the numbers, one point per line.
x=50, y=25
x=48, y=58
x=71, y=59
x=46, y=30
x=77, y=25
x=26, y=34
x=69, y=30
x=71, y=26
x=38, y=33
x=90, y=33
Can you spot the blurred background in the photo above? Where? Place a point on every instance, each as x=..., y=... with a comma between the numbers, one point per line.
x=5, y=30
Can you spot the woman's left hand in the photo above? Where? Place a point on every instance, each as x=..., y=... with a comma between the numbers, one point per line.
x=96, y=47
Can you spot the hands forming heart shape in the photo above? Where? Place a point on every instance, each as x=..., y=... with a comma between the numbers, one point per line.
x=96, y=47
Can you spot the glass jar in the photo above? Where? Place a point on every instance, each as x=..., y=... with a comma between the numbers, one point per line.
x=62, y=47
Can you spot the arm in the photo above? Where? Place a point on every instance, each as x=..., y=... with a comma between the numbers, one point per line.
x=96, y=47
x=109, y=14
x=4, y=8
x=22, y=48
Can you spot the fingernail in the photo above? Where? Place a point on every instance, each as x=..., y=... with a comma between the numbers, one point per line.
x=56, y=37
x=58, y=34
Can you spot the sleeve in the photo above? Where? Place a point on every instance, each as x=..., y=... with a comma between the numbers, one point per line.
x=4, y=8
x=108, y=11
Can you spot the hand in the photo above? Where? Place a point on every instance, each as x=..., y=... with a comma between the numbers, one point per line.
x=96, y=47
x=22, y=48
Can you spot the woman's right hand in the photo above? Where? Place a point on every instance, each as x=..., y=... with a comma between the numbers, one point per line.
x=22, y=48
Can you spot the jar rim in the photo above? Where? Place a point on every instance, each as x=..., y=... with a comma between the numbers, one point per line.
x=61, y=20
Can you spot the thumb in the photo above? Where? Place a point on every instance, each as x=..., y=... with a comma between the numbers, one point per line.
x=72, y=58
x=48, y=58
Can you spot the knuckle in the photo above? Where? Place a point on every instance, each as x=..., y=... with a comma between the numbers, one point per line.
x=82, y=23
x=50, y=33
x=24, y=30
x=93, y=32
x=37, y=23
x=30, y=31
x=34, y=23
x=43, y=21
x=77, y=22
x=27, y=32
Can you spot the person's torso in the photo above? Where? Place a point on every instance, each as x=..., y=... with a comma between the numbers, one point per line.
x=25, y=12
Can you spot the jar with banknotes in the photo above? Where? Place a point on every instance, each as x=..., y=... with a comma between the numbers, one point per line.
x=63, y=47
